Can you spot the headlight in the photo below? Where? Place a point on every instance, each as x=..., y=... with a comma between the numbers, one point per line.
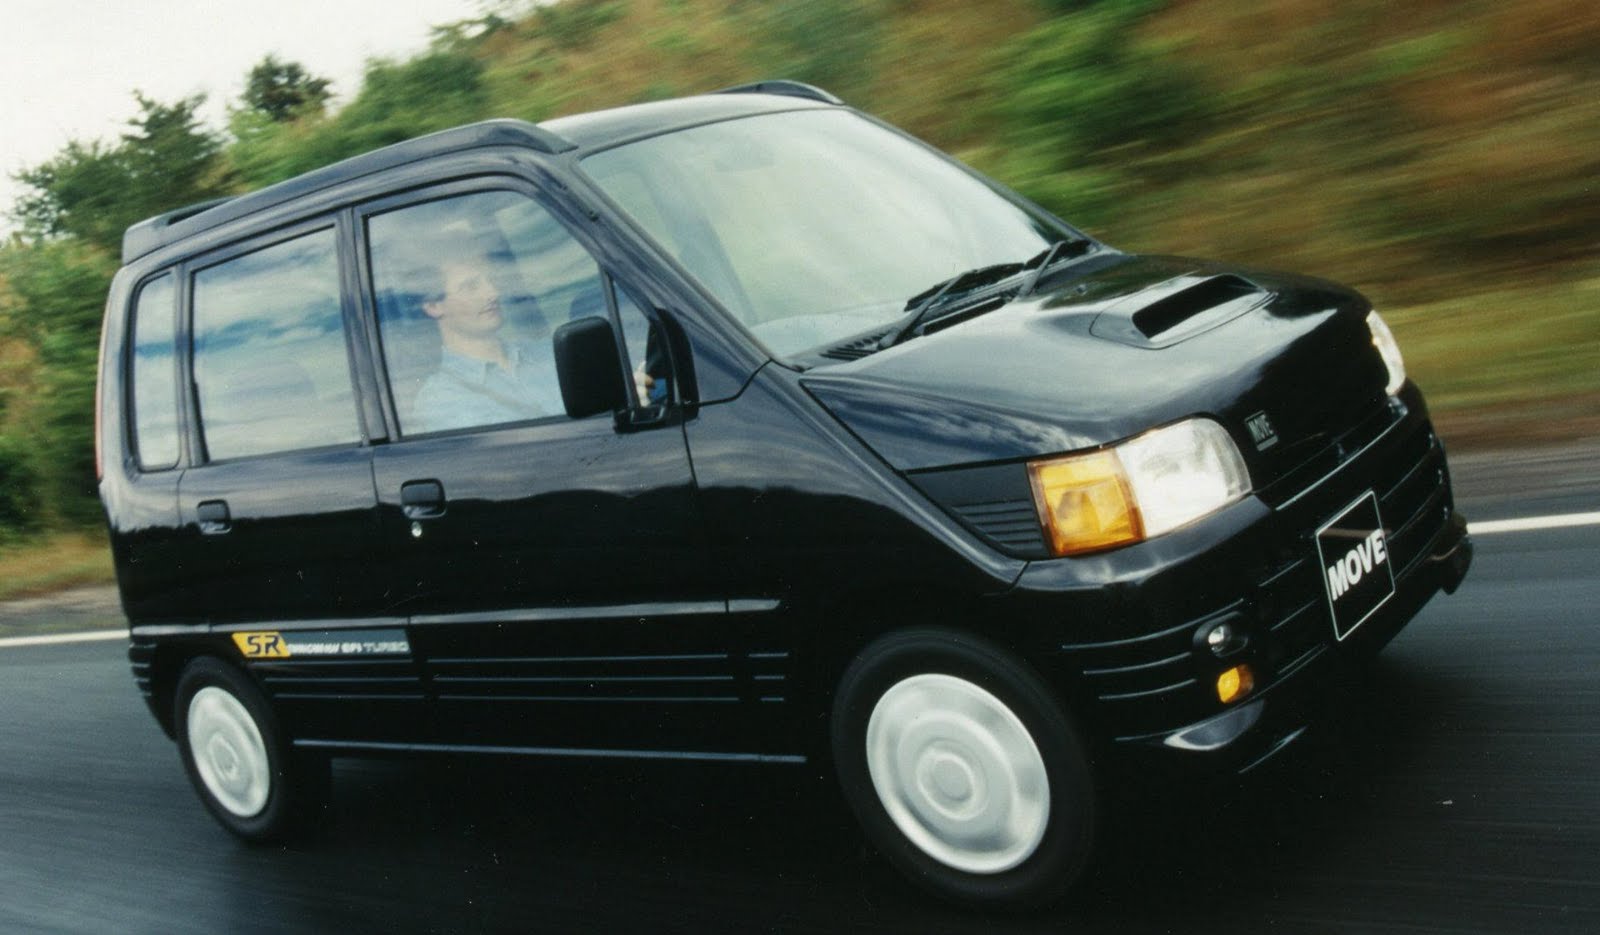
x=1383, y=340
x=1144, y=487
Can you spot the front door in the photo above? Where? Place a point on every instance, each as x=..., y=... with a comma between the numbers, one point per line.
x=553, y=569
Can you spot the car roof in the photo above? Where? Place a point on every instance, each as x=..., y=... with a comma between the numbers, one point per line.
x=587, y=131
x=604, y=128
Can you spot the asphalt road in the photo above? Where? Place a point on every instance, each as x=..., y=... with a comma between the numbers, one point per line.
x=1459, y=791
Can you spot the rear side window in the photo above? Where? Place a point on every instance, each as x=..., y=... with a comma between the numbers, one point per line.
x=155, y=375
x=270, y=369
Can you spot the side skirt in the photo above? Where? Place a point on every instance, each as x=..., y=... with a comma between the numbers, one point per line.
x=357, y=748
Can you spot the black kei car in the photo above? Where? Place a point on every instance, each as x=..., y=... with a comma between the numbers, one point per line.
x=745, y=428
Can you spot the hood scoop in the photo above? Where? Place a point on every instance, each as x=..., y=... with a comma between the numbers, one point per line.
x=1178, y=309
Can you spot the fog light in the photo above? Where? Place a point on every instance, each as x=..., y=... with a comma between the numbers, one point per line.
x=1235, y=683
x=1223, y=637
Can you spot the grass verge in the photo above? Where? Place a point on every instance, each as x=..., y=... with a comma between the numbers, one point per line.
x=52, y=562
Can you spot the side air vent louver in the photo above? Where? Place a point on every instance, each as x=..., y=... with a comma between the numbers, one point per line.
x=994, y=501
x=1011, y=524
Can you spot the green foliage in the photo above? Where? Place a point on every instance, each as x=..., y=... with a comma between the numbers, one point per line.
x=283, y=91
x=572, y=24
x=1088, y=197
x=398, y=100
x=1084, y=83
x=265, y=151
x=467, y=35
x=19, y=484
x=1129, y=8
x=54, y=301
x=1081, y=97
x=95, y=192
x=82, y=191
x=828, y=43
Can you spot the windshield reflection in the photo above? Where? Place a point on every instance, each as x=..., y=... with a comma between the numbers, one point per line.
x=814, y=225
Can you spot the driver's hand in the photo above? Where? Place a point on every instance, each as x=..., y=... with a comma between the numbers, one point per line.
x=642, y=384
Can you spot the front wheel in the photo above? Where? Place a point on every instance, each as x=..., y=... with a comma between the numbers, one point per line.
x=237, y=757
x=963, y=768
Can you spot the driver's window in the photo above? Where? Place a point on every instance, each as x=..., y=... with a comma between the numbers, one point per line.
x=469, y=290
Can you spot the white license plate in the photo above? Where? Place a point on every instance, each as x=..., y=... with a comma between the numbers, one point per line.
x=1357, y=572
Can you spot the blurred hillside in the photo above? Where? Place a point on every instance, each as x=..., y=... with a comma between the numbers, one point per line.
x=1441, y=156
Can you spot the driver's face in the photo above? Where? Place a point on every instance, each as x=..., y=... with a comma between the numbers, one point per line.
x=470, y=306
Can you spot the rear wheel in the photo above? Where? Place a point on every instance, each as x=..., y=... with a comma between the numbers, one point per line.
x=237, y=758
x=963, y=768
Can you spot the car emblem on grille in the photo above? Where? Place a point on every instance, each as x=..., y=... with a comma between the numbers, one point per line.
x=1261, y=431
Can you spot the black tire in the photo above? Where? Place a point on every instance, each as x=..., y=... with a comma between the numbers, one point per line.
x=936, y=660
x=264, y=793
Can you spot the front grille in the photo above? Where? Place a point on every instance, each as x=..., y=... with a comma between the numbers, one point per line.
x=1412, y=499
x=1302, y=465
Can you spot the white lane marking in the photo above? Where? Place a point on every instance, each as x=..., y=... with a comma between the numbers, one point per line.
x=1529, y=523
x=54, y=638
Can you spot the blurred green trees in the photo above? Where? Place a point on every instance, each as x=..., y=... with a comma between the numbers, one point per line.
x=53, y=282
x=93, y=192
x=54, y=294
x=397, y=101
x=1441, y=156
x=284, y=91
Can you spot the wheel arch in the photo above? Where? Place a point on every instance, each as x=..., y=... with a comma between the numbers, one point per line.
x=849, y=624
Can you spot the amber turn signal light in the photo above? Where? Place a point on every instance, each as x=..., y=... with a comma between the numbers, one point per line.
x=1235, y=683
x=1084, y=503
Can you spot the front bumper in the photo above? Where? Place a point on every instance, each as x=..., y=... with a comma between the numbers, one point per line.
x=1248, y=734
x=1134, y=664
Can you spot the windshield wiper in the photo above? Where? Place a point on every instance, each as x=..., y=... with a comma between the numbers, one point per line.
x=920, y=307
x=1061, y=249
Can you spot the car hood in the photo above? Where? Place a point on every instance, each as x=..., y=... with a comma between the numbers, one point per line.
x=1118, y=344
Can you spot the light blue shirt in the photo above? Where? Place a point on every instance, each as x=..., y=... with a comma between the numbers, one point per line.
x=466, y=391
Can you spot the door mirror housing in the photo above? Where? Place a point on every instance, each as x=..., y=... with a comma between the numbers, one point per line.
x=589, y=367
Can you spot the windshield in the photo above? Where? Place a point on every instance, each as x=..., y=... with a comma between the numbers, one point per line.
x=815, y=225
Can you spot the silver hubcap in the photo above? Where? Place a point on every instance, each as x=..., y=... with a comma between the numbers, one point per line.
x=958, y=773
x=228, y=752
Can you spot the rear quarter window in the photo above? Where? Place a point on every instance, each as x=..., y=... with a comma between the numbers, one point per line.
x=155, y=375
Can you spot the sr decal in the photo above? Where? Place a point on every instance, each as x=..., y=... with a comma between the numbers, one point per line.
x=267, y=644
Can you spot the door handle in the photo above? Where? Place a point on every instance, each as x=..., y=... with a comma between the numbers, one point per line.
x=213, y=517
x=422, y=499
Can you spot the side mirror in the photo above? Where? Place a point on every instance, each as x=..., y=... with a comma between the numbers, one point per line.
x=589, y=367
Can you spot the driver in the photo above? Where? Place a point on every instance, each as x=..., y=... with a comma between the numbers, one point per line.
x=483, y=379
